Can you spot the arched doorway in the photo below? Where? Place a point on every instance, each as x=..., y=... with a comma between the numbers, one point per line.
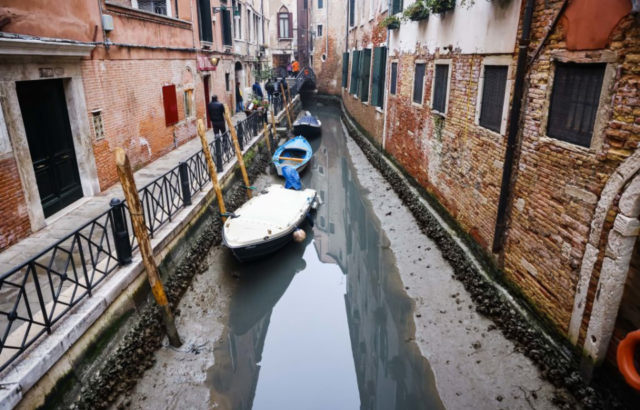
x=240, y=78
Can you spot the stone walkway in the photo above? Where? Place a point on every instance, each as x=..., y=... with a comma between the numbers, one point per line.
x=90, y=208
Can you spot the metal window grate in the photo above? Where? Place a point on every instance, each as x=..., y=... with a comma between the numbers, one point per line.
x=153, y=6
x=493, y=91
x=574, y=102
x=418, y=83
x=440, y=91
x=394, y=78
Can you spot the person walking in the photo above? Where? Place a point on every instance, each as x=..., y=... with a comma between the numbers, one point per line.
x=270, y=89
x=239, y=100
x=257, y=90
x=296, y=67
x=216, y=115
x=289, y=70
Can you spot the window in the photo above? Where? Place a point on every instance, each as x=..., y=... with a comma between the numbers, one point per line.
x=204, y=20
x=284, y=25
x=345, y=69
x=574, y=102
x=396, y=6
x=170, y=102
x=188, y=103
x=305, y=4
x=238, y=23
x=379, y=75
x=440, y=85
x=320, y=4
x=353, y=85
x=418, y=83
x=226, y=27
x=352, y=12
x=98, y=127
x=365, y=75
x=227, y=81
x=155, y=6
x=394, y=79
x=493, y=94
x=319, y=30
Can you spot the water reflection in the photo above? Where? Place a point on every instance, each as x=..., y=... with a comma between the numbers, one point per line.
x=314, y=356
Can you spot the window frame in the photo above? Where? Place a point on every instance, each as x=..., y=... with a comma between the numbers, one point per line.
x=392, y=62
x=436, y=63
x=319, y=28
x=320, y=4
x=413, y=82
x=288, y=26
x=189, y=103
x=135, y=5
x=495, y=61
x=604, y=106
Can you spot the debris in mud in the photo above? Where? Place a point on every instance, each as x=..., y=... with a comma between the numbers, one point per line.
x=135, y=353
x=554, y=367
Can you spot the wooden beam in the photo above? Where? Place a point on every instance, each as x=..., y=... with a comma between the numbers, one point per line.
x=202, y=133
x=236, y=145
x=286, y=106
x=140, y=230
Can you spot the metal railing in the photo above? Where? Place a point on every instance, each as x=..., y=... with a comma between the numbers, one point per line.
x=35, y=295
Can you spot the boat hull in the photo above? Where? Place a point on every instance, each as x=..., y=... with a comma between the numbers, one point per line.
x=307, y=130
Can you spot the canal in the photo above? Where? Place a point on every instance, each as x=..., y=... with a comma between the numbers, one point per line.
x=323, y=324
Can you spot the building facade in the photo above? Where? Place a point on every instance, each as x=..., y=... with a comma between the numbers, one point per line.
x=88, y=77
x=436, y=89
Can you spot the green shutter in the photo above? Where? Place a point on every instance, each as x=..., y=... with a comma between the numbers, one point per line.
x=365, y=75
x=382, y=77
x=345, y=69
x=396, y=6
x=353, y=85
x=375, y=83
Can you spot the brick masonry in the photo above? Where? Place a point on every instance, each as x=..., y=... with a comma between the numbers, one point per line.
x=13, y=208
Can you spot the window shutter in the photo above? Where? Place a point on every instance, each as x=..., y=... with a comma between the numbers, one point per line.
x=394, y=78
x=418, y=83
x=226, y=27
x=382, y=77
x=365, y=76
x=206, y=28
x=352, y=6
x=170, y=101
x=440, y=91
x=353, y=85
x=375, y=83
x=278, y=23
x=290, y=34
x=345, y=69
x=493, y=91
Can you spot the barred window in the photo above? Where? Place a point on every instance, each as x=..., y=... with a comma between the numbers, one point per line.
x=493, y=91
x=418, y=83
x=394, y=78
x=574, y=102
x=153, y=6
x=441, y=84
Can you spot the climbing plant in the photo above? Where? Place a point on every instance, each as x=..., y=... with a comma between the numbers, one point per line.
x=264, y=74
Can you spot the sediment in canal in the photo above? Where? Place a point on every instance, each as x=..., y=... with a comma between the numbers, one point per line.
x=555, y=366
x=132, y=353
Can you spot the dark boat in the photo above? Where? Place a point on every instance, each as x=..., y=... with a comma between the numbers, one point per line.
x=307, y=125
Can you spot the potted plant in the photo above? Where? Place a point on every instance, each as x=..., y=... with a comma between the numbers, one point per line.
x=440, y=6
x=390, y=22
x=416, y=11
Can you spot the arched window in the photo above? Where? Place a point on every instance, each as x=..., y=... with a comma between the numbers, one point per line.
x=285, y=22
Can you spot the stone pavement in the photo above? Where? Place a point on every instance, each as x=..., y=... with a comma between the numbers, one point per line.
x=89, y=208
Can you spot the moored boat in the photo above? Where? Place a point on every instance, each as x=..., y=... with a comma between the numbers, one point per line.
x=307, y=125
x=295, y=153
x=267, y=222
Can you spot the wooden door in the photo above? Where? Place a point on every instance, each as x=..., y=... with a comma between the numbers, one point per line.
x=207, y=99
x=46, y=122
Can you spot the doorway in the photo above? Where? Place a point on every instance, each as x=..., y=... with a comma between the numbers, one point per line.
x=46, y=121
x=207, y=99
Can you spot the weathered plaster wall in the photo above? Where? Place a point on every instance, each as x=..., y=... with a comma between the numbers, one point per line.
x=331, y=45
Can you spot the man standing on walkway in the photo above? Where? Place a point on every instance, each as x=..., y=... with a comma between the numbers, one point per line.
x=216, y=115
x=269, y=86
x=257, y=90
x=289, y=70
x=296, y=68
x=239, y=100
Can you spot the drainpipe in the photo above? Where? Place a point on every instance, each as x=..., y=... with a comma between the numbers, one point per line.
x=104, y=33
x=346, y=34
x=386, y=94
x=514, y=128
x=326, y=29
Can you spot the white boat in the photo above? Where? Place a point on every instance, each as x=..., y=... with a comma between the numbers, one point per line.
x=266, y=222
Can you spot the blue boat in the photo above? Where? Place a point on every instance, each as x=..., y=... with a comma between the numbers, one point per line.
x=295, y=153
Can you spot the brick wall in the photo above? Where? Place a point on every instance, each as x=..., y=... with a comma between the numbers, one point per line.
x=129, y=92
x=14, y=224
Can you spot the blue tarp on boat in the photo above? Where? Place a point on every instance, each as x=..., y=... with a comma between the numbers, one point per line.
x=291, y=178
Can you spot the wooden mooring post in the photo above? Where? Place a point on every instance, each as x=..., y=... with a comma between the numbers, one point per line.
x=140, y=230
x=266, y=136
x=202, y=133
x=286, y=106
x=236, y=145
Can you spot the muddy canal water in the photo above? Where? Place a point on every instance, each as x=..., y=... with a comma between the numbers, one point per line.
x=324, y=324
x=364, y=314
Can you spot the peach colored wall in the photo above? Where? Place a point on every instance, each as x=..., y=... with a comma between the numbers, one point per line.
x=589, y=24
x=70, y=19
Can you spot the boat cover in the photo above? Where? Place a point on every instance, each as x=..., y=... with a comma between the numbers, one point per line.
x=308, y=119
x=291, y=178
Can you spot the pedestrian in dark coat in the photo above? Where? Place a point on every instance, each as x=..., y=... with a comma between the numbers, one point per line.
x=269, y=86
x=216, y=115
x=257, y=90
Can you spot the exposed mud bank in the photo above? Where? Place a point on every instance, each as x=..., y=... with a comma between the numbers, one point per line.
x=572, y=390
x=135, y=353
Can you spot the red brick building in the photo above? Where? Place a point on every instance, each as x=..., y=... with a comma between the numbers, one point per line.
x=83, y=78
x=573, y=200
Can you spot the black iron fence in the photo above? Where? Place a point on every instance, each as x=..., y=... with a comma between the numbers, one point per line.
x=35, y=295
